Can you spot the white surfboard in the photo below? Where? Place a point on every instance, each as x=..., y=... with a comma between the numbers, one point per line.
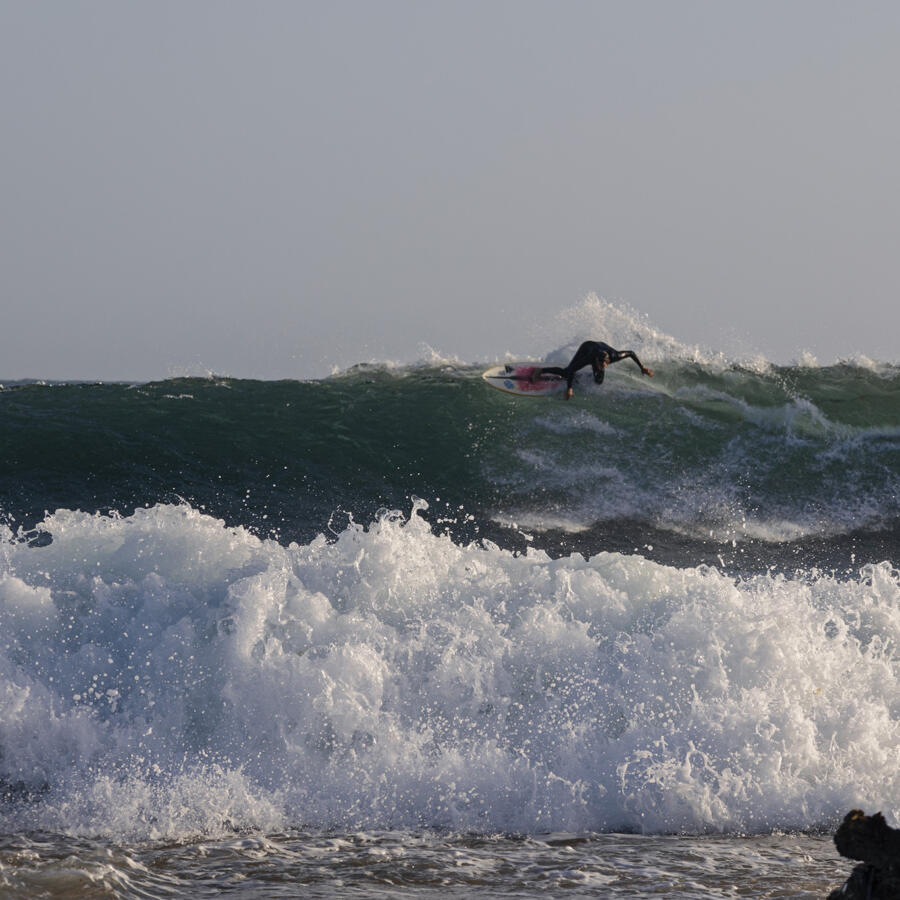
x=515, y=378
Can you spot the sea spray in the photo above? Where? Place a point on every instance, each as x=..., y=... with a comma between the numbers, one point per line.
x=166, y=675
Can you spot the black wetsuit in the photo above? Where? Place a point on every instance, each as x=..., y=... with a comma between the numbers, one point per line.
x=591, y=353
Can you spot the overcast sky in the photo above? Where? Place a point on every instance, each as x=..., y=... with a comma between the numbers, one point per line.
x=270, y=189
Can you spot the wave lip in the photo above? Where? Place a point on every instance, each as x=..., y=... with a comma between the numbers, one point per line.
x=166, y=675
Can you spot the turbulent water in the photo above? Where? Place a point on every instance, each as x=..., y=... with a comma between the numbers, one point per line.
x=313, y=616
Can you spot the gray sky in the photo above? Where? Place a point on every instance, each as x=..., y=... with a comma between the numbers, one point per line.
x=270, y=189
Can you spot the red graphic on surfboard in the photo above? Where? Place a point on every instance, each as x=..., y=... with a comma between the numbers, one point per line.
x=516, y=378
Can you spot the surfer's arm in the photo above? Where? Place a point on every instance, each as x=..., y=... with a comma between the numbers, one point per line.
x=630, y=354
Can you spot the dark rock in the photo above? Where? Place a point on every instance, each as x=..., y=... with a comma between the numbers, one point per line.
x=871, y=840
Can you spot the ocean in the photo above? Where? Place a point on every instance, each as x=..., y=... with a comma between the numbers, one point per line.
x=391, y=632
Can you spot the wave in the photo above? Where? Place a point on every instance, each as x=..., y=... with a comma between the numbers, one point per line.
x=165, y=675
x=700, y=458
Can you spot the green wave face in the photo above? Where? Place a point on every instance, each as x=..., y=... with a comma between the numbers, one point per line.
x=727, y=456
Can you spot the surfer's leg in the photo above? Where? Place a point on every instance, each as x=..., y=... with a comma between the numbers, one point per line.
x=547, y=370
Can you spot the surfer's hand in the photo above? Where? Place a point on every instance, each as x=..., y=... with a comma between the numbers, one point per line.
x=647, y=371
x=569, y=393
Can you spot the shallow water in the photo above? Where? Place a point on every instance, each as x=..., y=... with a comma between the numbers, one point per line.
x=409, y=864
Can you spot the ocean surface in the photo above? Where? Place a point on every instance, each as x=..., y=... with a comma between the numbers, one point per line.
x=392, y=632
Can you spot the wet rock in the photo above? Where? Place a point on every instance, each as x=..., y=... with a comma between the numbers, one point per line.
x=872, y=841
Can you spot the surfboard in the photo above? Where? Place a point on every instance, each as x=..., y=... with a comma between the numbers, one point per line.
x=515, y=378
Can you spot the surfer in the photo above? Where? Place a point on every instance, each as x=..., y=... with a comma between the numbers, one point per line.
x=598, y=356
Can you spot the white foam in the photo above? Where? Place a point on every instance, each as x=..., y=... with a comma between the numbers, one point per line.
x=166, y=675
x=616, y=322
x=807, y=360
x=428, y=358
x=797, y=418
x=579, y=421
x=623, y=327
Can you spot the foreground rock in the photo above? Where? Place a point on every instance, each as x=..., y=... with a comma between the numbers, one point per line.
x=870, y=839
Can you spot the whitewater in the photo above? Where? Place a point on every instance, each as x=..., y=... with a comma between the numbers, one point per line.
x=392, y=631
